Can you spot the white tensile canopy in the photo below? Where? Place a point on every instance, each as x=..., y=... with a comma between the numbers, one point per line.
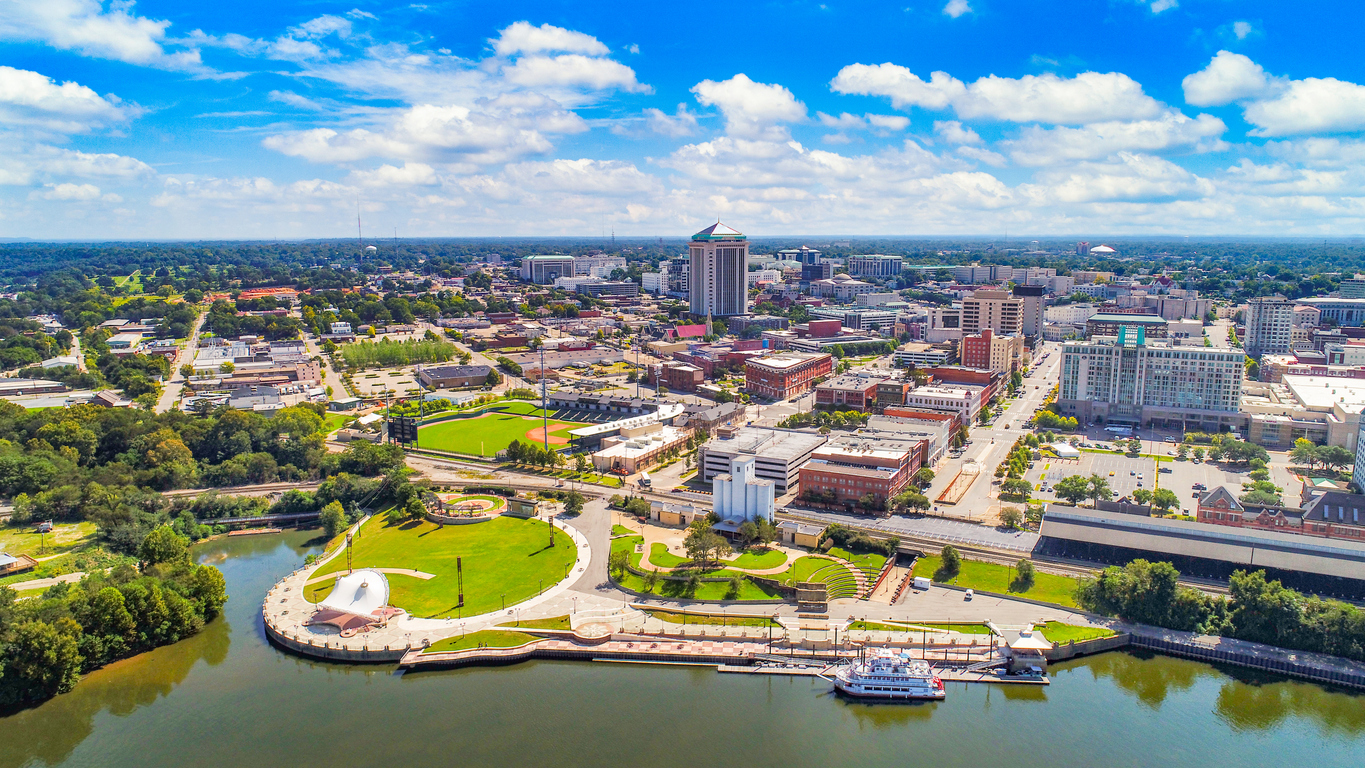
x=360, y=593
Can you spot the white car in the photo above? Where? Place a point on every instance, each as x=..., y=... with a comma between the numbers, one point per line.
x=970, y=594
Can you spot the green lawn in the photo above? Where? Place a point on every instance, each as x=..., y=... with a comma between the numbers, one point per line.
x=725, y=621
x=621, y=530
x=678, y=589
x=23, y=540
x=556, y=622
x=870, y=563
x=1061, y=633
x=492, y=638
x=838, y=580
x=965, y=629
x=505, y=556
x=996, y=578
x=759, y=559
x=660, y=556
x=335, y=421
x=487, y=434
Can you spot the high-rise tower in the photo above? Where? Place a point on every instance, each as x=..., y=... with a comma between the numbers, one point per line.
x=719, y=279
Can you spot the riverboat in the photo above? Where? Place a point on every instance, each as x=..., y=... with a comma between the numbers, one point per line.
x=882, y=673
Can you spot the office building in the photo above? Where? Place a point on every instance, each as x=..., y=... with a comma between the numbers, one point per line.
x=1129, y=379
x=994, y=352
x=1347, y=313
x=1358, y=470
x=1269, y=320
x=654, y=282
x=453, y=376
x=802, y=255
x=995, y=310
x=779, y=377
x=965, y=402
x=841, y=287
x=921, y=355
x=822, y=270
x=1352, y=287
x=848, y=392
x=598, y=264
x=850, y=467
x=874, y=265
x=600, y=288
x=544, y=270
x=778, y=453
x=719, y=272
x=1031, y=309
x=1108, y=324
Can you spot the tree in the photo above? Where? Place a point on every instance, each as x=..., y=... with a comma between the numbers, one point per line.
x=1334, y=456
x=618, y=562
x=1164, y=499
x=1023, y=579
x=1199, y=454
x=1011, y=517
x=186, y=371
x=1073, y=488
x=765, y=532
x=163, y=545
x=493, y=378
x=704, y=545
x=1183, y=451
x=1099, y=489
x=227, y=367
x=1142, y=496
x=1304, y=453
x=1016, y=488
x=580, y=462
x=951, y=562
x=573, y=503
x=661, y=389
x=333, y=519
x=924, y=477
x=42, y=661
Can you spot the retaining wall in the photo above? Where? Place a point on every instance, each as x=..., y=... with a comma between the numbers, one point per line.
x=1283, y=666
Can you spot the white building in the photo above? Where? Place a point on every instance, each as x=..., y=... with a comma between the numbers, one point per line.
x=654, y=282
x=543, y=270
x=966, y=402
x=720, y=265
x=779, y=453
x=874, y=265
x=740, y=495
x=1070, y=313
x=1269, y=321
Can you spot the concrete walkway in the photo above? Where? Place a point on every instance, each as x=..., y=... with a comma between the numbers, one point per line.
x=66, y=578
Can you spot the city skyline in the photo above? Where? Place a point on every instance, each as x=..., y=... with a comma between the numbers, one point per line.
x=152, y=120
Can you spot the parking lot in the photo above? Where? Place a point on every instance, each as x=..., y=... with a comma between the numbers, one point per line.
x=1122, y=474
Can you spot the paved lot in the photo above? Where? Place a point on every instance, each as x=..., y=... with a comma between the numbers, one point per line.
x=1124, y=480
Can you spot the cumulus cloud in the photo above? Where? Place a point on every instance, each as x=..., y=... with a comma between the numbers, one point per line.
x=68, y=191
x=522, y=37
x=410, y=175
x=572, y=70
x=751, y=109
x=499, y=130
x=1311, y=105
x=681, y=123
x=89, y=28
x=1229, y=77
x=1048, y=98
x=1037, y=146
x=983, y=155
x=1128, y=177
x=953, y=132
x=1158, y=6
x=1320, y=151
x=32, y=99
x=956, y=8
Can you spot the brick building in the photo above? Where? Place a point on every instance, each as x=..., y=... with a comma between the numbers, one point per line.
x=991, y=351
x=779, y=377
x=849, y=391
x=848, y=468
x=1332, y=514
x=677, y=376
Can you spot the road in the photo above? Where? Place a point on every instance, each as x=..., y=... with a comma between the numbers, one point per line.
x=330, y=378
x=171, y=392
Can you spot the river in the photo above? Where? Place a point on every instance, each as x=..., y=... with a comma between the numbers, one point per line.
x=228, y=698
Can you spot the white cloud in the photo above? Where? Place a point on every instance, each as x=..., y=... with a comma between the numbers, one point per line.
x=410, y=175
x=751, y=109
x=572, y=70
x=888, y=122
x=87, y=27
x=1242, y=29
x=1128, y=177
x=1320, y=152
x=77, y=192
x=1229, y=77
x=582, y=176
x=681, y=123
x=522, y=37
x=499, y=130
x=1158, y=6
x=323, y=26
x=983, y=155
x=1087, y=97
x=1037, y=146
x=33, y=99
x=1311, y=105
x=956, y=8
x=953, y=132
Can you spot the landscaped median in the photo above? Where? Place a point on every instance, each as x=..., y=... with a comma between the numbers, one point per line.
x=1002, y=579
x=485, y=638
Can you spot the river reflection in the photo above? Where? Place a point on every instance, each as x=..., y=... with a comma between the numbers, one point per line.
x=227, y=697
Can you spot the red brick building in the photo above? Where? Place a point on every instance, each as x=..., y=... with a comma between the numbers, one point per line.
x=678, y=377
x=856, y=392
x=1331, y=515
x=847, y=470
x=824, y=329
x=779, y=377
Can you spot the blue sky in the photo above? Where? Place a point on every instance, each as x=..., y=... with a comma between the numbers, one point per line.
x=265, y=120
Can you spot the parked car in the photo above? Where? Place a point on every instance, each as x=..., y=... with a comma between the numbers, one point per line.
x=969, y=595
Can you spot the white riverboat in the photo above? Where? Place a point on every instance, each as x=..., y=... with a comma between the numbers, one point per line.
x=882, y=673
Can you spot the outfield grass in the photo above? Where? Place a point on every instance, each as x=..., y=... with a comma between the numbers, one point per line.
x=504, y=556
x=487, y=434
x=492, y=638
x=1061, y=633
x=992, y=577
